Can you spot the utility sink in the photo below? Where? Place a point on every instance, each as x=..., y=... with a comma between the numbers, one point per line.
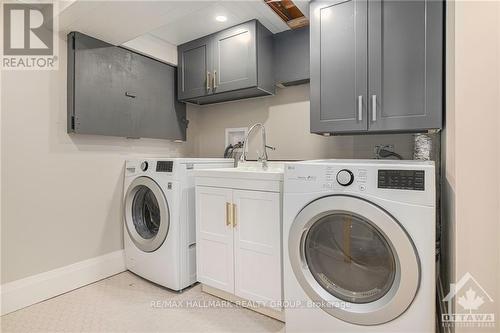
x=247, y=170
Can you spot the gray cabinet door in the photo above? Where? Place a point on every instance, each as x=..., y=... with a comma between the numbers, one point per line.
x=157, y=114
x=338, y=66
x=99, y=79
x=405, y=64
x=195, y=68
x=235, y=58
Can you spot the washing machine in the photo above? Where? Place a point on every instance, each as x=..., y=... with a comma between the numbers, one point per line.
x=359, y=246
x=159, y=218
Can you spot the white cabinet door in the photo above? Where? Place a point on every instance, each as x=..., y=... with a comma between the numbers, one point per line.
x=214, y=238
x=257, y=245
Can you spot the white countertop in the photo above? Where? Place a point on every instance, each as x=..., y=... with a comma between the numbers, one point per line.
x=247, y=170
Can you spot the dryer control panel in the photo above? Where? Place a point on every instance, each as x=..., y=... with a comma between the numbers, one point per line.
x=401, y=179
x=411, y=182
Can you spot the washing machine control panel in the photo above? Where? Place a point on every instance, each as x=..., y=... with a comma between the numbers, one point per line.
x=164, y=166
x=401, y=179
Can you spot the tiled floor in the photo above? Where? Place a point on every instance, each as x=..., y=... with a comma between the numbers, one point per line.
x=127, y=303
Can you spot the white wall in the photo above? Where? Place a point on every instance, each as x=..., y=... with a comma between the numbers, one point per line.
x=472, y=146
x=61, y=194
x=153, y=47
x=286, y=118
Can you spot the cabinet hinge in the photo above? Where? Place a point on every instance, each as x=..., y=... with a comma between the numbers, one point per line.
x=73, y=122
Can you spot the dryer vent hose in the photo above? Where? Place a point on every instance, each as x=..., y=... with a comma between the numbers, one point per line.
x=423, y=147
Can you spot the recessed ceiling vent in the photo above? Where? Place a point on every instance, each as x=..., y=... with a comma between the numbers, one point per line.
x=289, y=13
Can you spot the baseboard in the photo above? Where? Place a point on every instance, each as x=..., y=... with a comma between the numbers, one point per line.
x=273, y=313
x=21, y=293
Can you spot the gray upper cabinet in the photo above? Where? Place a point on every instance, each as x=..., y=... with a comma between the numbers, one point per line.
x=377, y=67
x=338, y=66
x=231, y=64
x=113, y=91
x=195, y=59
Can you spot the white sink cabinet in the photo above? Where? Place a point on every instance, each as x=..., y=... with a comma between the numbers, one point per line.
x=238, y=236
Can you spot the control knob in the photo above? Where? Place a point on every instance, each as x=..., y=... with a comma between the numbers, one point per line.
x=345, y=177
x=144, y=166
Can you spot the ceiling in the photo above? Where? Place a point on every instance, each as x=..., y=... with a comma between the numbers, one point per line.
x=175, y=22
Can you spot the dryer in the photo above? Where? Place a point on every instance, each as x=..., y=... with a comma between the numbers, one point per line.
x=159, y=218
x=359, y=246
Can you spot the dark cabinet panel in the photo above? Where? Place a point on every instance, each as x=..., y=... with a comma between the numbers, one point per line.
x=291, y=57
x=405, y=66
x=194, y=63
x=338, y=66
x=113, y=91
x=234, y=63
x=97, y=86
x=265, y=45
x=158, y=113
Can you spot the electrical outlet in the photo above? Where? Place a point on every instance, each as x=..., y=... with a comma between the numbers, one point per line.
x=377, y=148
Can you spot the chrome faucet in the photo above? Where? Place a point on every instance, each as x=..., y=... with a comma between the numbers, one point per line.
x=262, y=155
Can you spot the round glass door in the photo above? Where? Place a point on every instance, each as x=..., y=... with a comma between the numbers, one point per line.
x=346, y=254
x=146, y=214
x=350, y=258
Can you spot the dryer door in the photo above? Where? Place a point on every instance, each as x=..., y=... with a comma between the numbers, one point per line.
x=347, y=255
x=146, y=214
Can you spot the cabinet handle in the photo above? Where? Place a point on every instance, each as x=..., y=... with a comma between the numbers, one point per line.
x=235, y=220
x=360, y=108
x=214, y=85
x=208, y=81
x=374, y=108
x=228, y=214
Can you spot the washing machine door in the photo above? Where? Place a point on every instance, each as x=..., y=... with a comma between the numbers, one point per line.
x=147, y=215
x=354, y=260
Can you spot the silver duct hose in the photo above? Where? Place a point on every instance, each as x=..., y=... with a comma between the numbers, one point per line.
x=423, y=147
